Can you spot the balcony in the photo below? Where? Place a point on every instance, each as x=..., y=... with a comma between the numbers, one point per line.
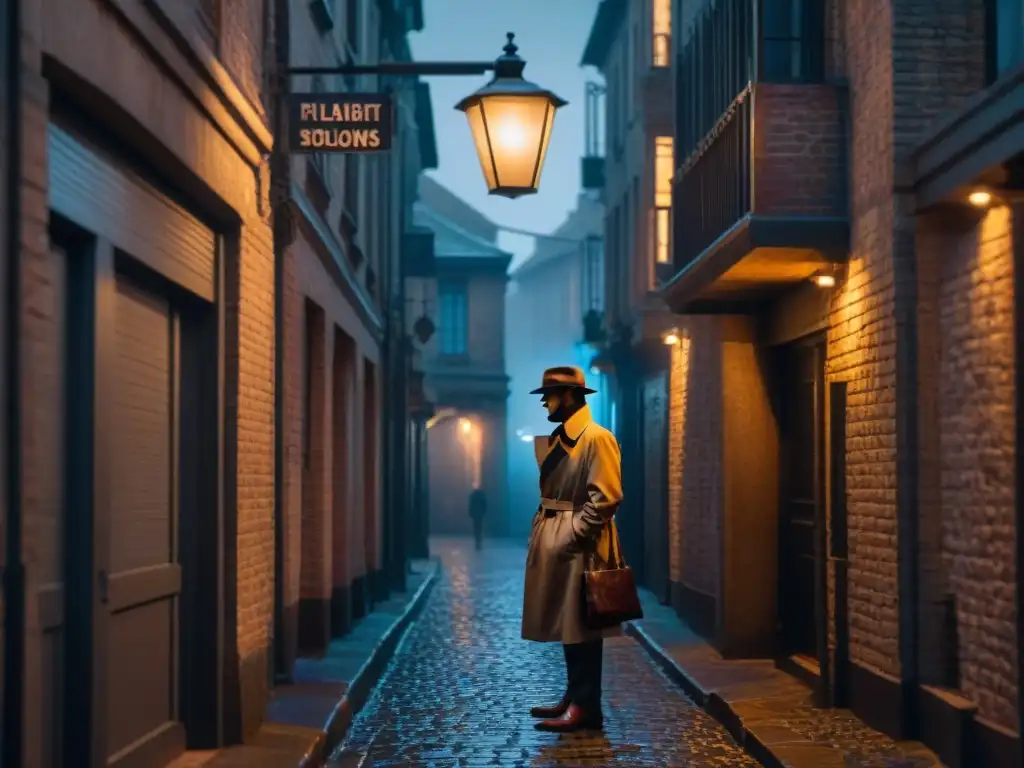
x=761, y=202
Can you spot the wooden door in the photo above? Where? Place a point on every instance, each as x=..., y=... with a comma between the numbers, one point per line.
x=801, y=378
x=655, y=458
x=143, y=429
x=140, y=585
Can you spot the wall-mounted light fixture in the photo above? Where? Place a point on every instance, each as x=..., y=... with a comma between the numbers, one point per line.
x=466, y=426
x=980, y=198
x=824, y=280
x=526, y=438
x=670, y=338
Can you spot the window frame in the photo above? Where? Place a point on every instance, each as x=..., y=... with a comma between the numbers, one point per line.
x=453, y=337
x=661, y=39
x=806, y=41
x=997, y=30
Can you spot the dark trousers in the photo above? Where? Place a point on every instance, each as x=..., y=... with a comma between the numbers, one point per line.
x=583, y=670
x=478, y=531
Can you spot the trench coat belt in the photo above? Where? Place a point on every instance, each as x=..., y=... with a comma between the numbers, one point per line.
x=553, y=506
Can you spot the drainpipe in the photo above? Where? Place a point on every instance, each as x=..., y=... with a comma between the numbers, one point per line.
x=280, y=180
x=14, y=569
x=1018, y=373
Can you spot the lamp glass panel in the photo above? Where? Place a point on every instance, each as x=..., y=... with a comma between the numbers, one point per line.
x=549, y=121
x=518, y=136
x=475, y=115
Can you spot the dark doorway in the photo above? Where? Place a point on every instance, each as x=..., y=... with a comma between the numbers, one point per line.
x=800, y=377
x=655, y=453
x=142, y=516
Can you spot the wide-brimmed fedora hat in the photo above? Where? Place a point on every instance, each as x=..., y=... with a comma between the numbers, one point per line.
x=563, y=377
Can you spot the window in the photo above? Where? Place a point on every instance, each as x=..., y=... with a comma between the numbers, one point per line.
x=454, y=318
x=352, y=24
x=793, y=40
x=593, y=274
x=661, y=41
x=1006, y=36
x=664, y=163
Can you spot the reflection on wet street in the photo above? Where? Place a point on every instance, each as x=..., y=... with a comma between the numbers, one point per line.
x=460, y=687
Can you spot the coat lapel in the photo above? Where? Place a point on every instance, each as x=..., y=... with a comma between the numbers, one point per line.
x=563, y=442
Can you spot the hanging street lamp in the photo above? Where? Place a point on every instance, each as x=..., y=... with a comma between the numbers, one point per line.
x=511, y=120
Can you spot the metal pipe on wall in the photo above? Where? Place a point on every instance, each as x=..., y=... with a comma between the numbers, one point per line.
x=280, y=179
x=12, y=734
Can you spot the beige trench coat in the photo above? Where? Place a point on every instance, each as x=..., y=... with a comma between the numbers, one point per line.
x=580, y=488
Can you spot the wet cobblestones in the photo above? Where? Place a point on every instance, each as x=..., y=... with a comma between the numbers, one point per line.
x=460, y=687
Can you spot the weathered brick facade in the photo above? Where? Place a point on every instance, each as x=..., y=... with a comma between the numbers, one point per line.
x=146, y=197
x=341, y=269
x=920, y=589
x=114, y=68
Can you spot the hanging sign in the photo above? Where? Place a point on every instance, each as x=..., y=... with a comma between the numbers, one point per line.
x=339, y=122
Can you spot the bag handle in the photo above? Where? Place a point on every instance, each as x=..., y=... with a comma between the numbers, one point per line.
x=616, y=545
x=617, y=561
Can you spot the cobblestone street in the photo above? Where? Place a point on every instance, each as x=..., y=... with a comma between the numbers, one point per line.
x=459, y=690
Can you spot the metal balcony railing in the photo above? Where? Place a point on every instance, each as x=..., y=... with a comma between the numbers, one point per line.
x=712, y=187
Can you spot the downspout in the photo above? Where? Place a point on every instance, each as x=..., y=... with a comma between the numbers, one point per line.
x=400, y=373
x=280, y=181
x=1017, y=235
x=14, y=569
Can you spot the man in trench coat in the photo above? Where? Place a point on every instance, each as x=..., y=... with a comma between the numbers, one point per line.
x=573, y=531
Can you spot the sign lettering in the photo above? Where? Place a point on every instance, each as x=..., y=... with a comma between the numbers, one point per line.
x=339, y=122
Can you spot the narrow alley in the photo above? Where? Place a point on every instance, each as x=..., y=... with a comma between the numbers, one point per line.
x=460, y=687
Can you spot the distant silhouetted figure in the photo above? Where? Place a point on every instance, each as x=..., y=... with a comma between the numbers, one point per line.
x=477, y=510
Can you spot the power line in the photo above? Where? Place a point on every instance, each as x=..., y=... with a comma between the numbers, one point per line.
x=539, y=236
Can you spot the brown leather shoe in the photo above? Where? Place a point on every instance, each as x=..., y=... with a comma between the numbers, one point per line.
x=551, y=712
x=575, y=718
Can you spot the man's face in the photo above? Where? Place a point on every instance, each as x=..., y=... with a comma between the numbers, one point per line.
x=556, y=402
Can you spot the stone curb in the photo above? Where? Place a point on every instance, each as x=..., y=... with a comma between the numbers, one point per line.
x=710, y=701
x=337, y=725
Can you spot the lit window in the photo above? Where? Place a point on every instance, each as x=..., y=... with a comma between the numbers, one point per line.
x=661, y=230
x=661, y=43
x=664, y=159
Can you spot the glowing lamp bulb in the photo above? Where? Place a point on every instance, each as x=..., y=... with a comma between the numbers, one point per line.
x=824, y=281
x=671, y=339
x=466, y=426
x=979, y=198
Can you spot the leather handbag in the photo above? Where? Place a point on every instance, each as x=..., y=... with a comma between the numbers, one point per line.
x=610, y=596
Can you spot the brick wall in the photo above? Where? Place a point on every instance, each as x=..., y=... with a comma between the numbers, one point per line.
x=695, y=471
x=255, y=497
x=117, y=63
x=861, y=340
x=976, y=451
x=799, y=150
x=241, y=47
x=678, y=409
x=914, y=61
